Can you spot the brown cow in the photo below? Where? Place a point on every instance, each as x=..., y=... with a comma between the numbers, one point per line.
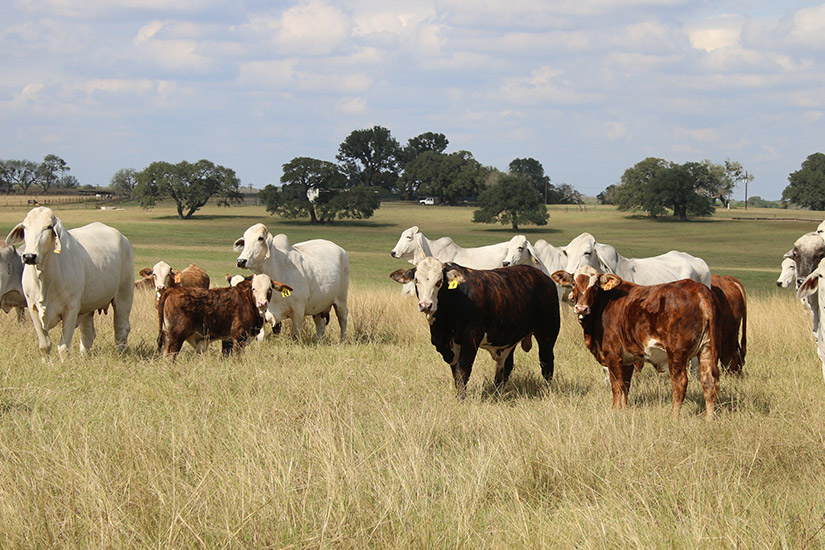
x=165, y=276
x=731, y=313
x=145, y=283
x=665, y=324
x=198, y=315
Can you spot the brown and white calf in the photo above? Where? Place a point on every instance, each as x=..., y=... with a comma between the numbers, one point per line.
x=198, y=315
x=667, y=324
x=732, y=315
x=165, y=276
x=495, y=309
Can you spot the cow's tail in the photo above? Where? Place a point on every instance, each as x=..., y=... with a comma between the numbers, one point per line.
x=743, y=343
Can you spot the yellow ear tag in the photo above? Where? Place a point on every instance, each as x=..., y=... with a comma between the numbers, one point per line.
x=285, y=292
x=453, y=284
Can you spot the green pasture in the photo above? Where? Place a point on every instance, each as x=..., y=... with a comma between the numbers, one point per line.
x=750, y=250
x=362, y=444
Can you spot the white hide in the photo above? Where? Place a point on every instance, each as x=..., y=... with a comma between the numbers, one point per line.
x=316, y=270
x=11, y=281
x=665, y=268
x=812, y=286
x=413, y=246
x=69, y=275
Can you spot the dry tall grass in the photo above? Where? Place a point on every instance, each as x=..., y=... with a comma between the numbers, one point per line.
x=362, y=444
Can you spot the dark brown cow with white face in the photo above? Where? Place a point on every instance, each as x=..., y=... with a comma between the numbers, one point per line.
x=731, y=314
x=666, y=325
x=197, y=315
x=495, y=309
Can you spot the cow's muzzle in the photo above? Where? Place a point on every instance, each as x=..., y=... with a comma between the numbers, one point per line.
x=425, y=307
x=581, y=311
x=30, y=259
x=241, y=262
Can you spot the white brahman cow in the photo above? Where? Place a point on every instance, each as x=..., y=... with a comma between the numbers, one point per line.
x=11, y=281
x=806, y=254
x=671, y=266
x=542, y=254
x=413, y=246
x=316, y=270
x=71, y=274
x=812, y=286
x=788, y=275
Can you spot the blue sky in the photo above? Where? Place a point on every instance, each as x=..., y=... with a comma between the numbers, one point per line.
x=587, y=87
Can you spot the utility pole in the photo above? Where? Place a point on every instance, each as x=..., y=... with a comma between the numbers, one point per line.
x=746, y=189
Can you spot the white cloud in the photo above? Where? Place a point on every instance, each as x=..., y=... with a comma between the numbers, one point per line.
x=711, y=34
x=312, y=28
x=543, y=85
x=284, y=75
x=809, y=27
x=615, y=130
x=352, y=106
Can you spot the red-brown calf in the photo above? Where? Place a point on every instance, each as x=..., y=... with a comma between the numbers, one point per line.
x=665, y=324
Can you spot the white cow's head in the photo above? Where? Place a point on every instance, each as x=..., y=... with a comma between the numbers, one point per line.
x=11, y=270
x=811, y=283
x=520, y=252
x=788, y=275
x=254, y=246
x=429, y=275
x=807, y=252
x=584, y=250
x=585, y=285
x=262, y=287
x=40, y=232
x=411, y=246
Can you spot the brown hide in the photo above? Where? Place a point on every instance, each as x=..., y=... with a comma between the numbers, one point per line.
x=731, y=313
x=198, y=315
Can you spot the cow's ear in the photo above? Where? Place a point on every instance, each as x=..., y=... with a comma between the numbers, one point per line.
x=16, y=236
x=281, y=287
x=403, y=276
x=176, y=275
x=608, y=281
x=238, y=246
x=57, y=229
x=454, y=278
x=788, y=254
x=808, y=286
x=562, y=277
x=146, y=272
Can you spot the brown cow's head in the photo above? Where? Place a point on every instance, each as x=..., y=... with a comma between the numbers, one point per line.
x=429, y=275
x=585, y=283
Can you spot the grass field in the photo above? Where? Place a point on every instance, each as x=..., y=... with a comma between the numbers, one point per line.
x=362, y=444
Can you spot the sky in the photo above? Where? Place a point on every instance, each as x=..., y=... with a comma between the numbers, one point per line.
x=586, y=87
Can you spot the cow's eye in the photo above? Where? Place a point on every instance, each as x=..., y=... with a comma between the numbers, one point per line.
x=587, y=253
x=438, y=284
x=49, y=228
x=261, y=238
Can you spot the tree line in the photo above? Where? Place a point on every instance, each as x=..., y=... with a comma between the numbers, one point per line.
x=25, y=175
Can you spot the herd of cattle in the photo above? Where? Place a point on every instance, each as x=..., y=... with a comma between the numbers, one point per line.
x=666, y=310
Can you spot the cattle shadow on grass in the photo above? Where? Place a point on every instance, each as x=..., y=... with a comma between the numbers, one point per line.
x=533, y=386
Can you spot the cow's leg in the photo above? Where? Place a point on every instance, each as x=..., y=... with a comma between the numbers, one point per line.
x=297, y=321
x=504, y=366
x=227, y=346
x=122, y=306
x=342, y=313
x=44, y=343
x=320, y=324
x=677, y=363
x=709, y=373
x=86, y=324
x=547, y=359
x=462, y=367
x=620, y=377
x=65, y=344
x=21, y=314
x=171, y=346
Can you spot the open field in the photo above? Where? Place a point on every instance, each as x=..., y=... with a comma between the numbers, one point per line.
x=362, y=444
